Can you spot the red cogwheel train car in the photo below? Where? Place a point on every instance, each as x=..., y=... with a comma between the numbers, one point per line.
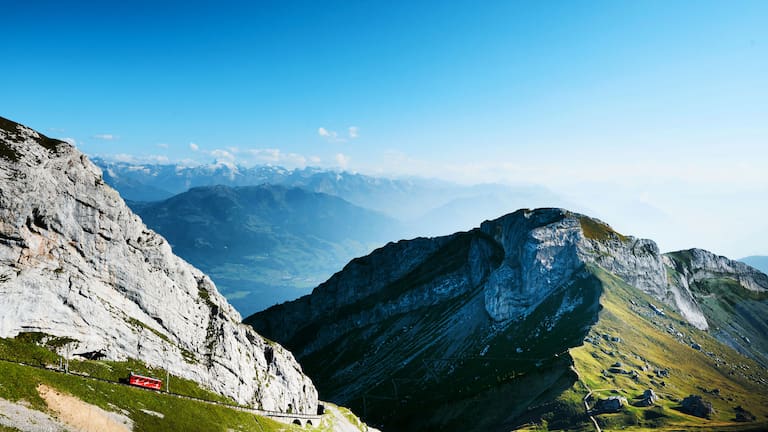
x=146, y=382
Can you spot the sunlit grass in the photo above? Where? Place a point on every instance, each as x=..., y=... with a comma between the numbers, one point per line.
x=648, y=342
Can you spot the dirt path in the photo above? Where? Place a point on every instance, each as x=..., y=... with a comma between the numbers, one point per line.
x=17, y=415
x=586, y=405
x=82, y=416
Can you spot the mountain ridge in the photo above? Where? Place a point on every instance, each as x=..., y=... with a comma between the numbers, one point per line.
x=433, y=312
x=428, y=206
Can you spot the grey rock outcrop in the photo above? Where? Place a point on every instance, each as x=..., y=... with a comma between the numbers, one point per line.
x=539, y=256
x=649, y=398
x=640, y=263
x=695, y=405
x=76, y=262
x=694, y=265
x=611, y=404
x=545, y=248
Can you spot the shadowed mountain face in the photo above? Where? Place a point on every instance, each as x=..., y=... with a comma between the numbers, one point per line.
x=265, y=244
x=486, y=329
x=393, y=326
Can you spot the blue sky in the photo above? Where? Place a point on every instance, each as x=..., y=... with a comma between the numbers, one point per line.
x=653, y=115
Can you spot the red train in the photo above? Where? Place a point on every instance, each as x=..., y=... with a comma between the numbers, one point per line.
x=146, y=382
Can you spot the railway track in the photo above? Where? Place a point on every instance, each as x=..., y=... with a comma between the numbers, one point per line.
x=275, y=415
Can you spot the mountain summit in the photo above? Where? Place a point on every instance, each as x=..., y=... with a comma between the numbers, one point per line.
x=76, y=263
x=511, y=324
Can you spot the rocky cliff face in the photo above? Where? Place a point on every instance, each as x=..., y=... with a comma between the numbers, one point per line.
x=420, y=318
x=731, y=294
x=76, y=262
x=696, y=265
x=518, y=290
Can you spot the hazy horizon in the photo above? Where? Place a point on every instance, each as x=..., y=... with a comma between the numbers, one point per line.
x=647, y=115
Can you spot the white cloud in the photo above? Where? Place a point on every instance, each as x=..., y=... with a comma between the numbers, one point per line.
x=106, y=137
x=162, y=145
x=275, y=156
x=333, y=136
x=158, y=159
x=223, y=154
x=342, y=160
x=194, y=147
x=267, y=155
x=70, y=141
x=123, y=157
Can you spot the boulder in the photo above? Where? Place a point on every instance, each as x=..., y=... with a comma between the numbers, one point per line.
x=695, y=405
x=743, y=415
x=610, y=405
x=649, y=398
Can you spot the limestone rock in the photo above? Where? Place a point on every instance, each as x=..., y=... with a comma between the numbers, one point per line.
x=76, y=262
x=695, y=405
x=649, y=398
x=610, y=405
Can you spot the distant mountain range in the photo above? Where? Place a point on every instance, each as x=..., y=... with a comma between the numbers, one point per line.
x=758, y=262
x=266, y=244
x=268, y=234
x=428, y=207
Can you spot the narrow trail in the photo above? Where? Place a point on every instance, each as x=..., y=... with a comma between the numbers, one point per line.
x=275, y=415
x=586, y=404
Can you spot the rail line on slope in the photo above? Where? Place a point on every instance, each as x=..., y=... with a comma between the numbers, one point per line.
x=275, y=415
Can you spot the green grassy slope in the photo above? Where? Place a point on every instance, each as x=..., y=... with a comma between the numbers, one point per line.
x=649, y=342
x=18, y=383
x=37, y=349
x=738, y=317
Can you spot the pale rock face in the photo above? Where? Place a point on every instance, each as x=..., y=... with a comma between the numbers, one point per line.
x=76, y=262
x=637, y=261
x=640, y=263
x=545, y=248
x=706, y=264
x=538, y=259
